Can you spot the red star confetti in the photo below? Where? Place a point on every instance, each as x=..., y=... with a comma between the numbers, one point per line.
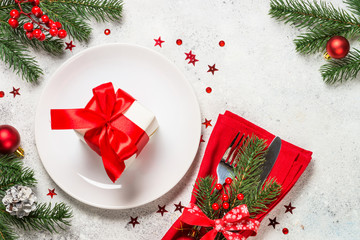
x=193, y=61
x=51, y=193
x=289, y=208
x=207, y=123
x=107, y=31
x=179, y=207
x=69, y=46
x=158, y=42
x=212, y=69
x=2, y=94
x=161, y=210
x=201, y=139
x=285, y=231
x=15, y=91
x=134, y=221
x=273, y=222
x=191, y=57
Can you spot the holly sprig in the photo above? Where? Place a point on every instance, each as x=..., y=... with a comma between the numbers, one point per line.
x=321, y=21
x=243, y=187
x=45, y=218
x=74, y=16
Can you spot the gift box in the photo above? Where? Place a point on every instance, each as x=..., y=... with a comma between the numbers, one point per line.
x=113, y=124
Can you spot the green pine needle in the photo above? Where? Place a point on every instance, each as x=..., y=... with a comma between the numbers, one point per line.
x=6, y=232
x=339, y=70
x=354, y=6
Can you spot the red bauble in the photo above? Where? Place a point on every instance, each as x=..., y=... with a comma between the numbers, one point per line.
x=62, y=33
x=240, y=196
x=9, y=139
x=14, y=14
x=228, y=180
x=215, y=206
x=225, y=197
x=338, y=47
x=186, y=238
x=226, y=205
x=218, y=186
x=13, y=22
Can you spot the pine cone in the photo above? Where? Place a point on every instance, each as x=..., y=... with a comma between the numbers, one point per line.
x=19, y=201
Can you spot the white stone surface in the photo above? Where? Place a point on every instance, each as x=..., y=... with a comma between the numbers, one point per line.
x=260, y=77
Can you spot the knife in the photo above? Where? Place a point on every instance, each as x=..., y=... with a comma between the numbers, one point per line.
x=270, y=158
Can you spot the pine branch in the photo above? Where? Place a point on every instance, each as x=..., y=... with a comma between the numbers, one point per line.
x=17, y=57
x=206, y=195
x=44, y=217
x=306, y=14
x=6, y=232
x=354, y=5
x=10, y=164
x=339, y=70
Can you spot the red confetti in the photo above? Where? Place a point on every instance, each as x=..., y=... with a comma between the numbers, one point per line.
x=208, y=90
x=161, y=210
x=134, y=221
x=273, y=222
x=289, y=208
x=51, y=193
x=15, y=91
x=2, y=94
x=107, y=32
x=191, y=58
x=221, y=43
x=201, y=139
x=212, y=69
x=179, y=207
x=158, y=42
x=207, y=123
x=69, y=45
x=285, y=231
x=179, y=42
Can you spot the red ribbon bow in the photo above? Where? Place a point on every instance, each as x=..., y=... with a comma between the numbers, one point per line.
x=110, y=134
x=232, y=225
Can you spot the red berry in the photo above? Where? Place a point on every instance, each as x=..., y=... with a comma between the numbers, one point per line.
x=42, y=37
x=240, y=196
x=225, y=197
x=62, y=33
x=14, y=14
x=37, y=33
x=13, y=22
x=44, y=18
x=37, y=11
x=30, y=35
x=58, y=25
x=28, y=26
x=49, y=23
x=228, y=180
x=226, y=205
x=215, y=206
x=53, y=32
x=218, y=186
x=35, y=2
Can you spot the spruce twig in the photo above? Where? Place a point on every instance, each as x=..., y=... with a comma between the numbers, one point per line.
x=6, y=232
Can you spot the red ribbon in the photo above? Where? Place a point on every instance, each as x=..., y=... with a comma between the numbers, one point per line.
x=112, y=135
x=233, y=225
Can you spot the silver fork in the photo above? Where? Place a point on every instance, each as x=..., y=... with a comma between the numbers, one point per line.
x=227, y=163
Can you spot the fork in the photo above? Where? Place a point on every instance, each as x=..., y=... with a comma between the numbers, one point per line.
x=227, y=162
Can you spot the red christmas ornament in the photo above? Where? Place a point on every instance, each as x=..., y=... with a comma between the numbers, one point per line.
x=226, y=205
x=228, y=180
x=9, y=139
x=179, y=42
x=240, y=196
x=218, y=186
x=338, y=47
x=225, y=197
x=215, y=206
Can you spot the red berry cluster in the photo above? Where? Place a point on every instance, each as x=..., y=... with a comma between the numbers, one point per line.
x=44, y=23
x=225, y=197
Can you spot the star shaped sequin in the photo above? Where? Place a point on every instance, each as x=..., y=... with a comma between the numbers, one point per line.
x=193, y=61
x=212, y=69
x=207, y=123
x=158, y=42
x=134, y=221
x=289, y=208
x=191, y=57
x=201, y=139
x=179, y=207
x=51, y=193
x=161, y=210
x=15, y=91
x=273, y=222
x=69, y=45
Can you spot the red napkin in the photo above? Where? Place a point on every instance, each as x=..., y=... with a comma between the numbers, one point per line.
x=290, y=164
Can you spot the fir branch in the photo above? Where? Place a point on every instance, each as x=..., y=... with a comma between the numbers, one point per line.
x=44, y=217
x=6, y=232
x=17, y=57
x=354, y=6
x=339, y=70
x=10, y=164
x=304, y=14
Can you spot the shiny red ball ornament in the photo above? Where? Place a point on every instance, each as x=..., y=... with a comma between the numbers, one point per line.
x=218, y=186
x=14, y=14
x=228, y=180
x=215, y=206
x=225, y=197
x=13, y=23
x=226, y=205
x=338, y=47
x=62, y=33
x=9, y=139
x=186, y=238
x=240, y=196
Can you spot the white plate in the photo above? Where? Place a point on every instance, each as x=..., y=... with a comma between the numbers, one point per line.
x=157, y=84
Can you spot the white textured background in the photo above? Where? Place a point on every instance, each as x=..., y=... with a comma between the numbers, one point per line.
x=261, y=78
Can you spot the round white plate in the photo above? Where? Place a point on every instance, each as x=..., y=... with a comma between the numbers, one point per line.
x=158, y=85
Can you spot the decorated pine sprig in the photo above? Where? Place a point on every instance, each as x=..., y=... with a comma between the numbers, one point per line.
x=322, y=21
x=73, y=16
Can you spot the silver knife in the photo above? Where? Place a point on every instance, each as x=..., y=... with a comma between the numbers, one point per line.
x=270, y=158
